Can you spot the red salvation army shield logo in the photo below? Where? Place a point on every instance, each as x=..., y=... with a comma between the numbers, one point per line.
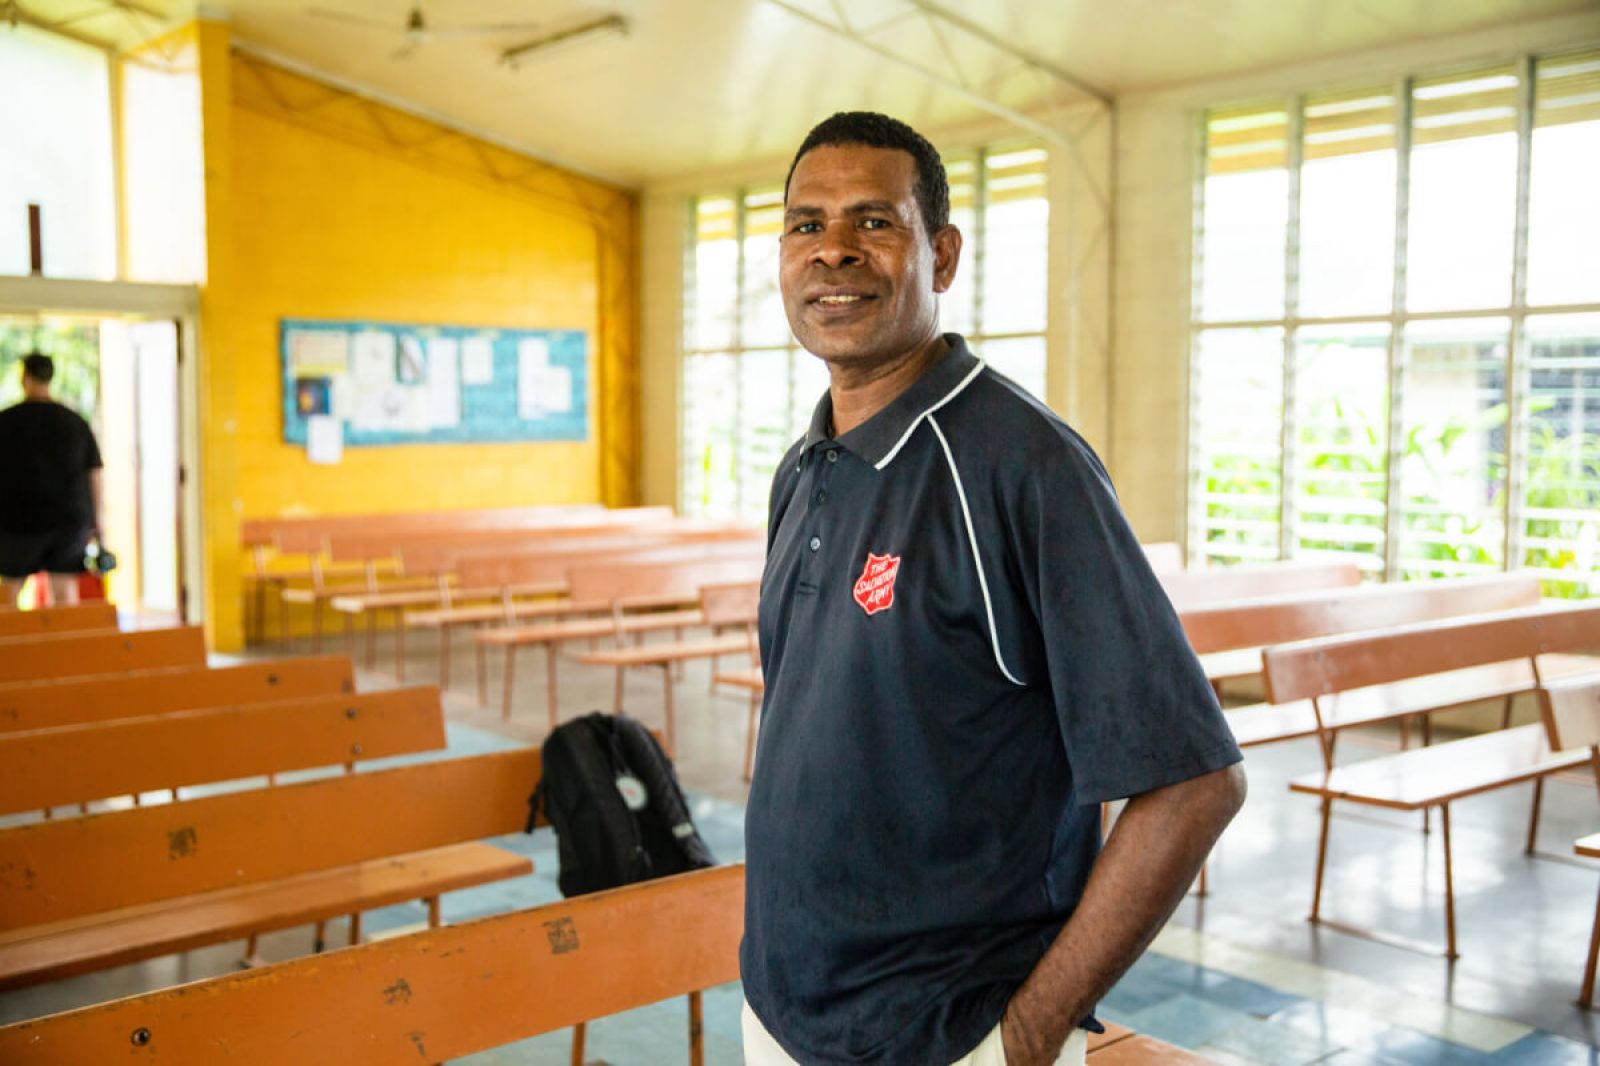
x=874, y=589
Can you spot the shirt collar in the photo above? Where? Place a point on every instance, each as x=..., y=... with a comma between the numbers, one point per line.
x=879, y=439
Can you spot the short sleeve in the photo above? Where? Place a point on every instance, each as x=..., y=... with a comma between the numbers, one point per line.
x=1134, y=705
x=91, y=448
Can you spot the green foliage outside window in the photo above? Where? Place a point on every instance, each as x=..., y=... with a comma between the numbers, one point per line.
x=75, y=347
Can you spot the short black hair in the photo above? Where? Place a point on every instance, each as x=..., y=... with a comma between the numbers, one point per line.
x=40, y=368
x=932, y=188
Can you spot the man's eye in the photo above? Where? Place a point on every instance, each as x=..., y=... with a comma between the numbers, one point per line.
x=807, y=227
x=874, y=223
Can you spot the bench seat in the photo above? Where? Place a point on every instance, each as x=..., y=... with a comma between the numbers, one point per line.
x=497, y=612
x=112, y=938
x=1443, y=773
x=1268, y=723
x=665, y=654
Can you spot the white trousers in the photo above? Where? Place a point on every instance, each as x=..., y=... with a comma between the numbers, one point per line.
x=761, y=1050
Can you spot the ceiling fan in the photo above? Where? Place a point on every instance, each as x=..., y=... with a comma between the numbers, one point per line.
x=417, y=30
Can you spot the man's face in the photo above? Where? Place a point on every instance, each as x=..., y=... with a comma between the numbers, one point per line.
x=858, y=272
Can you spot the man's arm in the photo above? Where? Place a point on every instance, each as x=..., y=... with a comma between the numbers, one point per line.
x=97, y=495
x=1155, y=850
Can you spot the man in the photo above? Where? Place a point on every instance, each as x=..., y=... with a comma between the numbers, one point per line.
x=49, y=488
x=966, y=653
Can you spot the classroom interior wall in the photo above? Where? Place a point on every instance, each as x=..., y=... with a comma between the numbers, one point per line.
x=325, y=205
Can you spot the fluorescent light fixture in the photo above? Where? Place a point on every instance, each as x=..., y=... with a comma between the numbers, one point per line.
x=513, y=57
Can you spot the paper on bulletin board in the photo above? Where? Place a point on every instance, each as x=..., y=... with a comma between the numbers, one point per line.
x=373, y=361
x=319, y=353
x=444, y=383
x=533, y=361
x=324, y=439
x=477, y=361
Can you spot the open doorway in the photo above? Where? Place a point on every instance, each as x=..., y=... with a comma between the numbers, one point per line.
x=121, y=373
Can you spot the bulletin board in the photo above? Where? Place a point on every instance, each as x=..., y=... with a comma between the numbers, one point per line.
x=373, y=383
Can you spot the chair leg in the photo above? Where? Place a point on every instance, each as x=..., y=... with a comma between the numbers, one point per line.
x=616, y=701
x=400, y=643
x=697, y=1051
x=320, y=940
x=1586, y=996
x=316, y=626
x=666, y=682
x=551, y=655
x=1201, y=887
x=350, y=634
x=1322, y=859
x=505, y=699
x=1533, y=820
x=372, y=639
x=1505, y=715
x=433, y=912
x=355, y=929
x=578, y=1033
x=482, y=653
x=750, y=726
x=1449, y=885
x=444, y=656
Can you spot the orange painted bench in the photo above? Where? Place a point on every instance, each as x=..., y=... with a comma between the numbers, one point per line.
x=126, y=756
x=429, y=996
x=1536, y=642
x=729, y=605
x=370, y=545
x=1229, y=636
x=648, y=593
x=99, y=651
x=44, y=704
x=116, y=887
x=49, y=620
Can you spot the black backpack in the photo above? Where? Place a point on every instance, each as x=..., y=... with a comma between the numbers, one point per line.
x=619, y=814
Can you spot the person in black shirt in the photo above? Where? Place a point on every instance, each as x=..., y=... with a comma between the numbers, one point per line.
x=965, y=654
x=49, y=488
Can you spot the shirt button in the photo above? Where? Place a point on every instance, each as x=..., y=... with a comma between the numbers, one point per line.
x=822, y=495
x=816, y=543
x=833, y=456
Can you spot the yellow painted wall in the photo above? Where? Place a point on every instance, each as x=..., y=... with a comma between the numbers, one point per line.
x=337, y=211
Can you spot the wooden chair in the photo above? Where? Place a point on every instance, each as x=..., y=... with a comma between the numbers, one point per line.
x=99, y=651
x=1442, y=664
x=239, y=864
x=44, y=704
x=1570, y=708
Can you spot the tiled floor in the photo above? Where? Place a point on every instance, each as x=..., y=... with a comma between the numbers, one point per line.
x=1238, y=975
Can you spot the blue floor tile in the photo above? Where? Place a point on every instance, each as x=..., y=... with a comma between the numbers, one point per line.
x=1185, y=1020
x=1407, y=1047
x=1543, y=1049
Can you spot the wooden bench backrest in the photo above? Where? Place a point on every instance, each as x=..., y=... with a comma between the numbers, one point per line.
x=100, y=651
x=619, y=583
x=732, y=604
x=70, y=867
x=78, y=763
x=1304, y=615
x=1571, y=710
x=45, y=704
x=307, y=534
x=1338, y=664
x=1166, y=557
x=1190, y=588
x=446, y=556
x=57, y=620
x=429, y=996
x=365, y=545
x=551, y=566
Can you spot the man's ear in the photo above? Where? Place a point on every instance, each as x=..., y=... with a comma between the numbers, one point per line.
x=946, y=257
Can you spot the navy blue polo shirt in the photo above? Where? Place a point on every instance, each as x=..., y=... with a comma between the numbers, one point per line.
x=965, y=652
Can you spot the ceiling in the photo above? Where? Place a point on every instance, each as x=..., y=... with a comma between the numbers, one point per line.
x=698, y=85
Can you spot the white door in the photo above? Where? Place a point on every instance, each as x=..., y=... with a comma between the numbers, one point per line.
x=155, y=352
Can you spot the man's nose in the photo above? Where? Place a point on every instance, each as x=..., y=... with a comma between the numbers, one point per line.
x=836, y=245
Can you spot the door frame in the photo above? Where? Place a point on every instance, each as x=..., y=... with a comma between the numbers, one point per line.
x=181, y=305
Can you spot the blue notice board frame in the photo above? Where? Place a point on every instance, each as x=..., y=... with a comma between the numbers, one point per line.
x=488, y=395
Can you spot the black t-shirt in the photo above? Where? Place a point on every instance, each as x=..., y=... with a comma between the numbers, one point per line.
x=965, y=652
x=46, y=453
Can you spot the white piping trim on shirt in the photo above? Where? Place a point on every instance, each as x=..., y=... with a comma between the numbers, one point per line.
x=912, y=428
x=977, y=558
